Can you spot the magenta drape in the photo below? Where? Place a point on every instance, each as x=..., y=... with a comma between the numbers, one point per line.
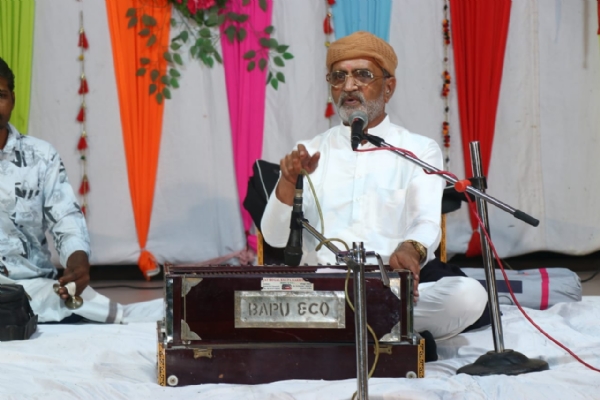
x=479, y=33
x=246, y=99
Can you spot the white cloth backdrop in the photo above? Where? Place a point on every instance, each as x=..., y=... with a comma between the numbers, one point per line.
x=544, y=158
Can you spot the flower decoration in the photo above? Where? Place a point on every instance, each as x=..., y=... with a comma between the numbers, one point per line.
x=195, y=5
x=200, y=24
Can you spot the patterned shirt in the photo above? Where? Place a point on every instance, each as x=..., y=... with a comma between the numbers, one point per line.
x=35, y=197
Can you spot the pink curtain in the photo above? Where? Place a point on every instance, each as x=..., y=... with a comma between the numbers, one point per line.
x=479, y=32
x=246, y=99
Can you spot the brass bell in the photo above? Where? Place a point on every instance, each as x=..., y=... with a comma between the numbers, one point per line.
x=74, y=302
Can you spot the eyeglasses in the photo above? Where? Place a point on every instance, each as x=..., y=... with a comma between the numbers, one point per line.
x=361, y=77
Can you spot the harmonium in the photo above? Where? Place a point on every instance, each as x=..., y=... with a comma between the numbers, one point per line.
x=261, y=324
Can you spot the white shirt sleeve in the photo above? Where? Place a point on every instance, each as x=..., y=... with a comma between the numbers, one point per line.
x=275, y=223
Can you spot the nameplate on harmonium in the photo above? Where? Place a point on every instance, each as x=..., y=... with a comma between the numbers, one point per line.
x=290, y=309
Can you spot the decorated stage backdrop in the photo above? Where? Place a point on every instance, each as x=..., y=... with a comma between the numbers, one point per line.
x=543, y=154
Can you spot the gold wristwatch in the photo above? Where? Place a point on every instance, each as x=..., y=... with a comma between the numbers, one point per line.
x=422, y=250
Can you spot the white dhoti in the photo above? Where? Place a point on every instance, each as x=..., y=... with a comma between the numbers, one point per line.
x=448, y=306
x=49, y=307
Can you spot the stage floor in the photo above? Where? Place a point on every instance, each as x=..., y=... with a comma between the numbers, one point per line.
x=100, y=361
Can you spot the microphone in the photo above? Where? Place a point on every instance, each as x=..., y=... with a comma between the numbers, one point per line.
x=292, y=254
x=358, y=120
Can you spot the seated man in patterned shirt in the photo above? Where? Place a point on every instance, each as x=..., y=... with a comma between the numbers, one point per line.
x=35, y=197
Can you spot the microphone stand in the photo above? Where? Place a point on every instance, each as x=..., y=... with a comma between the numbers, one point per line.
x=355, y=260
x=500, y=361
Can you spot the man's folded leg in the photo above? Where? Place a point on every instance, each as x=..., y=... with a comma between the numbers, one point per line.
x=448, y=306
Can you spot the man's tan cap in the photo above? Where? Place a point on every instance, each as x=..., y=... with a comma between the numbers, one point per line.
x=363, y=44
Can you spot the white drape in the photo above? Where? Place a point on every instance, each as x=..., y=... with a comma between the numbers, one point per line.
x=543, y=160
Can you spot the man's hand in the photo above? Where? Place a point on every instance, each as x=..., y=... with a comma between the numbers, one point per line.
x=407, y=257
x=291, y=165
x=78, y=271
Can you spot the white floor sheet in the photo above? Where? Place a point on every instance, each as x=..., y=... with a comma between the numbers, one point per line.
x=95, y=361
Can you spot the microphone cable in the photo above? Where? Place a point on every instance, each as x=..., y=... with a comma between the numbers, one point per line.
x=347, y=279
x=462, y=186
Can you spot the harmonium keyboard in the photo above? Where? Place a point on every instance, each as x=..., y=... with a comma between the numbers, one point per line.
x=251, y=325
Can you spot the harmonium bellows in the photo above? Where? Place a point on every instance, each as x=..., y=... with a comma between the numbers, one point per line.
x=250, y=325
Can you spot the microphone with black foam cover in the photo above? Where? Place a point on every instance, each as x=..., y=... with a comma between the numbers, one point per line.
x=292, y=254
x=358, y=121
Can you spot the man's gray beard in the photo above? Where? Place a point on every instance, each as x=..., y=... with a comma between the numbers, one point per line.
x=373, y=108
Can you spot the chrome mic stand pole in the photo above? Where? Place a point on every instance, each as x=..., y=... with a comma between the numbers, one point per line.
x=360, y=324
x=488, y=259
x=355, y=259
x=379, y=142
x=501, y=361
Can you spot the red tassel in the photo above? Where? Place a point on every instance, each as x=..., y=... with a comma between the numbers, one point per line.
x=81, y=115
x=85, y=186
x=331, y=2
x=83, y=88
x=84, y=210
x=82, y=145
x=327, y=26
x=329, y=111
x=82, y=39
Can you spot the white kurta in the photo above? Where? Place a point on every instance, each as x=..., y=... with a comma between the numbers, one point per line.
x=376, y=197
x=380, y=199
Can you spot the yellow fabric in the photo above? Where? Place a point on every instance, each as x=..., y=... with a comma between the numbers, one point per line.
x=16, y=48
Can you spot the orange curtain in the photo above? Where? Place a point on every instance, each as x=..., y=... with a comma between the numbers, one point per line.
x=141, y=115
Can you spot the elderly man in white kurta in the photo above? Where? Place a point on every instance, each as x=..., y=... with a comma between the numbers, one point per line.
x=377, y=197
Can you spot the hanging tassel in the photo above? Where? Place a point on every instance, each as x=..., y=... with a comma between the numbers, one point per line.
x=446, y=133
x=84, y=210
x=82, y=145
x=148, y=264
x=81, y=115
x=85, y=186
x=446, y=30
x=446, y=86
x=332, y=2
x=327, y=25
x=329, y=111
x=83, y=87
x=83, y=42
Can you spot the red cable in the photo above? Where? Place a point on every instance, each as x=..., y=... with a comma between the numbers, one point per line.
x=489, y=240
x=512, y=295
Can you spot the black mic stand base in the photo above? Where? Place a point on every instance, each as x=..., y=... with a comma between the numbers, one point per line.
x=508, y=362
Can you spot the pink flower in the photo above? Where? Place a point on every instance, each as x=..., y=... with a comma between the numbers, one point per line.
x=195, y=5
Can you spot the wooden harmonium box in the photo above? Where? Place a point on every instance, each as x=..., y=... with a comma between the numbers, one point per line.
x=250, y=325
